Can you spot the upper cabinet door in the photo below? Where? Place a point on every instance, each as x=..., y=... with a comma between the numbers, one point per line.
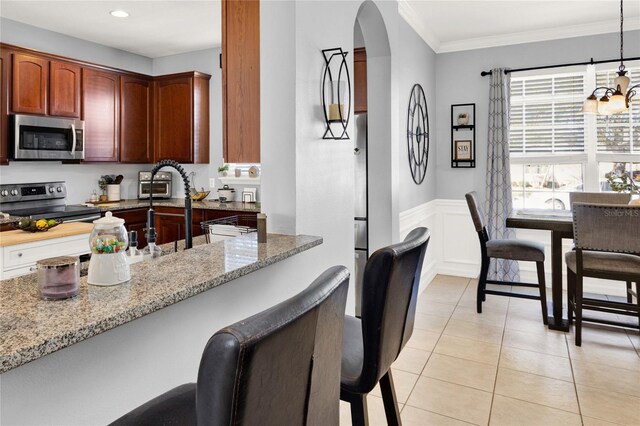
x=100, y=111
x=29, y=84
x=174, y=119
x=136, y=117
x=64, y=89
x=241, y=81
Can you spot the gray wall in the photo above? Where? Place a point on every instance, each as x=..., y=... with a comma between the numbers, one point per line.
x=416, y=63
x=82, y=179
x=459, y=81
x=24, y=35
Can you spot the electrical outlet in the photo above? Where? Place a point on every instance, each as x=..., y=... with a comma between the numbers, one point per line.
x=212, y=183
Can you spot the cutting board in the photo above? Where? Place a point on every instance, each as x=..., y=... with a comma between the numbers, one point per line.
x=10, y=238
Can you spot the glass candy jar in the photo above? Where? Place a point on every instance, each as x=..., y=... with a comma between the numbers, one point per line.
x=108, y=243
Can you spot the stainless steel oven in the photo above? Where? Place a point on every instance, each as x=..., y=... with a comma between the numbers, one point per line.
x=47, y=138
x=162, y=182
x=44, y=200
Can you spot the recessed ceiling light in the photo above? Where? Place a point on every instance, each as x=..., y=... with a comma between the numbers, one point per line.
x=119, y=13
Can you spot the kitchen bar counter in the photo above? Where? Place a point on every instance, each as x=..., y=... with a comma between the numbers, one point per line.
x=32, y=328
x=179, y=202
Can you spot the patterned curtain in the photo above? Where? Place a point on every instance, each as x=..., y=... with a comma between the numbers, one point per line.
x=499, y=202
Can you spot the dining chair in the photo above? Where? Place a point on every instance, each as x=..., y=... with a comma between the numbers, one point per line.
x=621, y=198
x=372, y=342
x=607, y=246
x=522, y=250
x=278, y=367
x=599, y=198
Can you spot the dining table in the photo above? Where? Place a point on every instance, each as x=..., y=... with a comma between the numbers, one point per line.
x=560, y=224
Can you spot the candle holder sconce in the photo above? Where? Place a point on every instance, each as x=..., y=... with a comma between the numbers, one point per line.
x=336, y=94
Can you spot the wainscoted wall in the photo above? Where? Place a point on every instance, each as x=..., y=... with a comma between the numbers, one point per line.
x=454, y=248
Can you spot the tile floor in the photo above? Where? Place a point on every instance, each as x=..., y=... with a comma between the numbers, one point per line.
x=504, y=367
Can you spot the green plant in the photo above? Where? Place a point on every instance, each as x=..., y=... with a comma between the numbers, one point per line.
x=463, y=115
x=223, y=168
x=621, y=181
x=104, y=181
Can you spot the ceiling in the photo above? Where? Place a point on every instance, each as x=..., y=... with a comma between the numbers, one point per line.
x=153, y=28
x=452, y=25
x=160, y=28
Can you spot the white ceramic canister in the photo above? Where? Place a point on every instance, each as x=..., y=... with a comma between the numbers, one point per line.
x=113, y=192
x=108, y=243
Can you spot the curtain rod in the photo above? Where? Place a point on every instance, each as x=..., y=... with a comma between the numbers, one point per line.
x=591, y=62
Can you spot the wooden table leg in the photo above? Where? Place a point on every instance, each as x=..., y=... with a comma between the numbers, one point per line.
x=556, y=321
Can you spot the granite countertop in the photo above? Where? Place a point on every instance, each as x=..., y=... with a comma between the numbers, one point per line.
x=32, y=328
x=9, y=219
x=179, y=202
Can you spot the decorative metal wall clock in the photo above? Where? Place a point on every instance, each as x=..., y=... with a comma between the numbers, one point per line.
x=418, y=134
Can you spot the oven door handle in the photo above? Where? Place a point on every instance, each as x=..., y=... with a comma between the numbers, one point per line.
x=73, y=138
x=82, y=219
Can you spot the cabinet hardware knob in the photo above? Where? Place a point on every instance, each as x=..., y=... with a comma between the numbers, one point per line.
x=19, y=254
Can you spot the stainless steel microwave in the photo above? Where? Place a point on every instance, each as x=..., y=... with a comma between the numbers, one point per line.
x=47, y=138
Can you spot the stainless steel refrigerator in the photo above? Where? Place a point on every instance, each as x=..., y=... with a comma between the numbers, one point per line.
x=361, y=213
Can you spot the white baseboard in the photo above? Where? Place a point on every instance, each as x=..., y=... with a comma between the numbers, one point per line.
x=454, y=248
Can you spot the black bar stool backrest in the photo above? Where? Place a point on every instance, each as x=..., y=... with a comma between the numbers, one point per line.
x=389, y=296
x=478, y=216
x=281, y=366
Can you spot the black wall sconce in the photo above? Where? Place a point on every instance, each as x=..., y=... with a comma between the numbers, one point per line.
x=336, y=94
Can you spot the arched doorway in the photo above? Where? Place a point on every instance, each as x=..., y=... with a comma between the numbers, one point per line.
x=373, y=140
x=376, y=43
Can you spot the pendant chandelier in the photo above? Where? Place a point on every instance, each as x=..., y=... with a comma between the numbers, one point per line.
x=617, y=99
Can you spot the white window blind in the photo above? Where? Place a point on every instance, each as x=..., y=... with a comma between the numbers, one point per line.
x=555, y=149
x=545, y=115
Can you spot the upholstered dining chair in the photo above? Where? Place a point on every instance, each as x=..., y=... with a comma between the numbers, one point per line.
x=607, y=246
x=621, y=198
x=599, y=198
x=372, y=342
x=523, y=250
x=278, y=367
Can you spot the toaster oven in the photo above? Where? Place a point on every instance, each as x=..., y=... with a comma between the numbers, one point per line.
x=161, y=188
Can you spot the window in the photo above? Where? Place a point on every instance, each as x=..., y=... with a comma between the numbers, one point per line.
x=555, y=149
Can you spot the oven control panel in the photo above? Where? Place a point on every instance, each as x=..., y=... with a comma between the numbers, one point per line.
x=11, y=193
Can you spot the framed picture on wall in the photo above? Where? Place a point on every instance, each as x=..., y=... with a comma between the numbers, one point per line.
x=462, y=150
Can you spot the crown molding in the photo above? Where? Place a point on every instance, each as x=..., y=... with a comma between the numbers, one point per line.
x=547, y=34
x=408, y=13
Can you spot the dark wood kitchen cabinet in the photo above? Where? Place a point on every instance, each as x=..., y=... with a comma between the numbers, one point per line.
x=135, y=220
x=136, y=119
x=44, y=87
x=64, y=89
x=360, y=79
x=241, y=81
x=182, y=117
x=171, y=228
x=30, y=84
x=129, y=117
x=100, y=112
x=4, y=106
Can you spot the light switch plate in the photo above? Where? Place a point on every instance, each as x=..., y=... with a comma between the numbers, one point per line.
x=212, y=183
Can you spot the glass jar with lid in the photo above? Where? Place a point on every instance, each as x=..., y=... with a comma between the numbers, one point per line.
x=58, y=277
x=108, y=243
